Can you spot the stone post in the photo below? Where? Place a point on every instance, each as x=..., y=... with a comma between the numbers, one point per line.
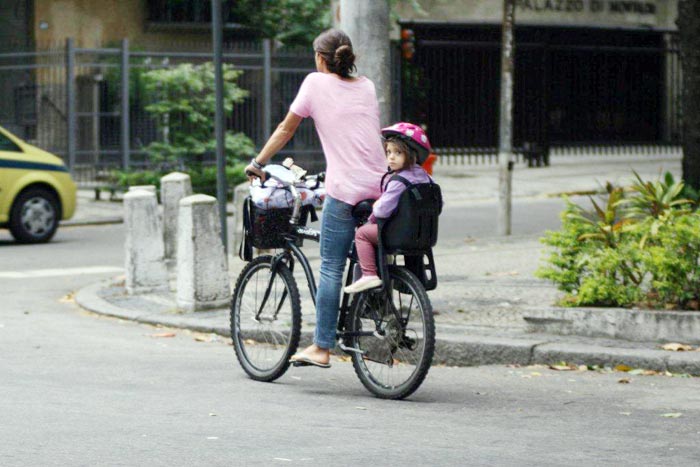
x=173, y=187
x=145, y=269
x=149, y=188
x=202, y=267
x=239, y=194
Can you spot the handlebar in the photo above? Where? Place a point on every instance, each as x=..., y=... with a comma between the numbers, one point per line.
x=288, y=180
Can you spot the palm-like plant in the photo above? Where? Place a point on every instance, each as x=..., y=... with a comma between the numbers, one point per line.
x=655, y=199
x=607, y=220
x=657, y=203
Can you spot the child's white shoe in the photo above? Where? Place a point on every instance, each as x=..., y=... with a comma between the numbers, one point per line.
x=363, y=283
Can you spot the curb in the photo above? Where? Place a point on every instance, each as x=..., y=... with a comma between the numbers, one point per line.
x=451, y=349
x=89, y=299
x=79, y=223
x=630, y=324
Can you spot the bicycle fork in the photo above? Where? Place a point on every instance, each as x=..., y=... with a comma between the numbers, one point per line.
x=276, y=261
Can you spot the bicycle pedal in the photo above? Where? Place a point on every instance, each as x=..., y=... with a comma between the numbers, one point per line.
x=345, y=348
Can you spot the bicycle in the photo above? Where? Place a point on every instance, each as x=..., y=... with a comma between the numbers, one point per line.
x=389, y=332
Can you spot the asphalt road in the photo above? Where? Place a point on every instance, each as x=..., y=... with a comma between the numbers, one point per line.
x=78, y=389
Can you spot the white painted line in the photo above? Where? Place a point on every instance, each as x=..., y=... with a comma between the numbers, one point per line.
x=58, y=272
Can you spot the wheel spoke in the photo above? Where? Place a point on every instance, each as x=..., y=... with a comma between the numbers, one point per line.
x=394, y=367
x=263, y=346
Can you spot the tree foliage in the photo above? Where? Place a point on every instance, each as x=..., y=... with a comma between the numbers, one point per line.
x=290, y=22
x=183, y=103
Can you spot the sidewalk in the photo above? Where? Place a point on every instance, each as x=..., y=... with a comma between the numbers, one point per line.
x=486, y=285
x=475, y=183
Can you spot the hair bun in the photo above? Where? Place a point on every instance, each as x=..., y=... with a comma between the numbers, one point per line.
x=344, y=57
x=335, y=48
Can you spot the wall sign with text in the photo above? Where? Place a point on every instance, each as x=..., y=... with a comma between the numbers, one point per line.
x=637, y=7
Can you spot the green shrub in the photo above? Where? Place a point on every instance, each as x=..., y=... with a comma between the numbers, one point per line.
x=203, y=178
x=637, y=248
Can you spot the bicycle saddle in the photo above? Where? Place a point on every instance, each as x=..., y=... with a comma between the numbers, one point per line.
x=362, y=210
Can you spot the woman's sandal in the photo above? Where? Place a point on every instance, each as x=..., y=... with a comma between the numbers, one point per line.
x=303, y=360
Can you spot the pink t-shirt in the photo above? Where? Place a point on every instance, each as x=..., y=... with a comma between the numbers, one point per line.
x=346, y=115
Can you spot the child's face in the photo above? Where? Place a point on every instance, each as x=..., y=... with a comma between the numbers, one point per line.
x=394, y=157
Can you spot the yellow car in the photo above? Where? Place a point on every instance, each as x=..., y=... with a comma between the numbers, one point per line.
x=36, y=190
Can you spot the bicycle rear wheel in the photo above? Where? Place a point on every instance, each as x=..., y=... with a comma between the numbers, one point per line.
x=264, y=339
x=393, y=366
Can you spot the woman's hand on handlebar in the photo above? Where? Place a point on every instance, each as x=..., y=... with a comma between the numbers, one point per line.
x=252, y=173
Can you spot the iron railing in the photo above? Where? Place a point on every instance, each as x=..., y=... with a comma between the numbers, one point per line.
x=575, y=88
x=75, y=101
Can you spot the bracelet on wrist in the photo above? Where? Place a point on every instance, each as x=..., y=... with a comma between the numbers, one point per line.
x=257, y=164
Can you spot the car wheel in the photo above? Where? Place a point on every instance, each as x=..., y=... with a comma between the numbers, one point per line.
x=34, y=216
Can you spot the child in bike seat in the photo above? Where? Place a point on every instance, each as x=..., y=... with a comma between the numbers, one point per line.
x=405, y=145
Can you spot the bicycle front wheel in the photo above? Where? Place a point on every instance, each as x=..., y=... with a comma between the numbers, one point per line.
x=395, y=360
x=265, y=332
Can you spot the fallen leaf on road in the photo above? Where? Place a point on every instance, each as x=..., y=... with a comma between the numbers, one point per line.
x=624, y=368
x=672, y=415
x=343, y=358
x=624, y=381
x=212, y=414
x=536, y=373
x=201, y=339
x=163, y=334
x=361, y=408
x=563, y=367
x=248, y=341
x=70, y=298
x=676, y=347
x=640, y=371
x=625, y=413
x=502, y=274
x=582, y=368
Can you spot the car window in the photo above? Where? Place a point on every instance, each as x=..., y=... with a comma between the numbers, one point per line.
x=6, y=144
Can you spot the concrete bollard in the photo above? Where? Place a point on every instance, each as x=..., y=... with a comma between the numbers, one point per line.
x=173, y=187
x=202, y=268
x=149, y=188
x=240, y=192
x=145, y=269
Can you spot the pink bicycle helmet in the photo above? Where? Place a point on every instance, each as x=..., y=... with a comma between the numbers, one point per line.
x=413, y=136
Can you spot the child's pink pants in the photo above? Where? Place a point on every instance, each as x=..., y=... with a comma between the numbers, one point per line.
x=365, y=241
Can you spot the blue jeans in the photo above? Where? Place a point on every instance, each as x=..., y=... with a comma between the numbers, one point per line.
x=337, y=233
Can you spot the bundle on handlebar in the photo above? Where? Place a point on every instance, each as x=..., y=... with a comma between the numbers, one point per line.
x=283, y=200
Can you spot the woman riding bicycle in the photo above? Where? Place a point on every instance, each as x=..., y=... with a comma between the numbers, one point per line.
x=346, y=115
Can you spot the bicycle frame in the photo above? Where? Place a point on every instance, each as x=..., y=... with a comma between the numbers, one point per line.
x=293, y=252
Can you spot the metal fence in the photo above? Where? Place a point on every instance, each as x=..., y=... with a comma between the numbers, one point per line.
x=619, y=94
x=87, y=106
x=577, y=91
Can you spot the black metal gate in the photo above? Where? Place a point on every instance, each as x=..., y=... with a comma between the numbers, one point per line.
x=574, y=87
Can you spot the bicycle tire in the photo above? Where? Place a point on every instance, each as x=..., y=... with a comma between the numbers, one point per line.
x=395, y=344
x=279, y=336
